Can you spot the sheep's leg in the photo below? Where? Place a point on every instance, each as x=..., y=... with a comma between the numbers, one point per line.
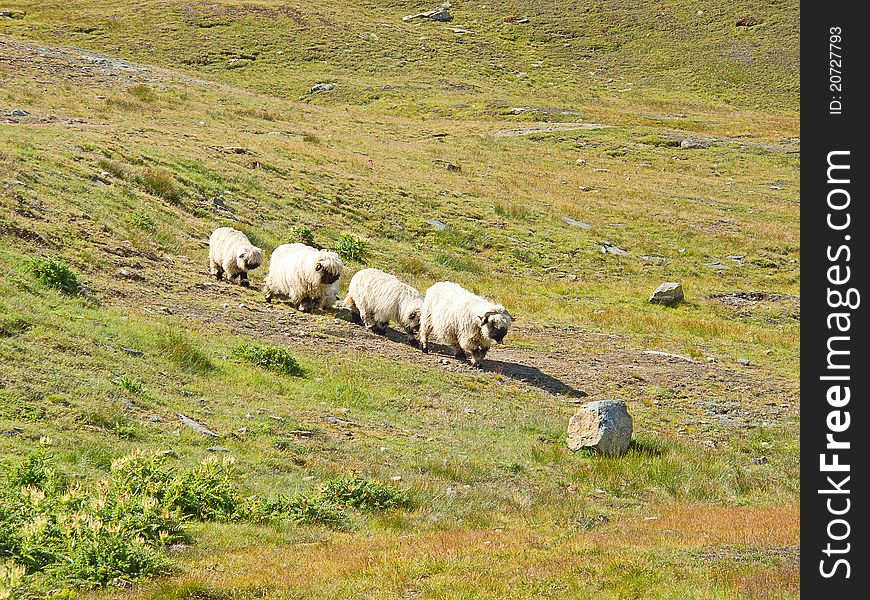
x=459, y=353
x=478, y=355
x=411, y=336
x=368, y=320
x=243, y=279
x=216, y=270
x=425, y=332
x=380, y=327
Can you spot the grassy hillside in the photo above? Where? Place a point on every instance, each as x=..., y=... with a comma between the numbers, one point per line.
x=130, y=130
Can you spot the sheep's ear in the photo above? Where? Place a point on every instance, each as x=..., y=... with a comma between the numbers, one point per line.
x=318, y=266
x=483, y=318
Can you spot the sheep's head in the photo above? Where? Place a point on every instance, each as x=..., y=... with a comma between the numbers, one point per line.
x=329, y=266
x=250, y=258
x=495, y=323
x=412, y=320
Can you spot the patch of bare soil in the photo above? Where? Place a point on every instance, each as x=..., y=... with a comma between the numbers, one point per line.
x=771, y=307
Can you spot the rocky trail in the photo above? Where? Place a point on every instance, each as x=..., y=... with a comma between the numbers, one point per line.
x=705, y=402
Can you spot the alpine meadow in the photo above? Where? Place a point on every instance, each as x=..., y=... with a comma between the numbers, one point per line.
x=168, y=434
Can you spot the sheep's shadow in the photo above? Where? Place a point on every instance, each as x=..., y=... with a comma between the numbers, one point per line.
x=523, y=373
x=532, y=376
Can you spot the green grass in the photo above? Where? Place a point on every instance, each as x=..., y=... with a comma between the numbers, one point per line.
x=118, y=168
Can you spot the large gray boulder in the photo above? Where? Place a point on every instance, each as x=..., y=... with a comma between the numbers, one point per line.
x=604, y=425
x=668, y=293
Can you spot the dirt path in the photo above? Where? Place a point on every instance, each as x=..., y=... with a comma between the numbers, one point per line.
x=705, y=402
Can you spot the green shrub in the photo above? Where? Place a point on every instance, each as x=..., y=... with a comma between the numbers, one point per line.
x=132, y=385
x=54, y=274
x=351, y=247
x=364, y=495
x=160, y=182
x=303, y=235
x=121, y=526
x=142, y=220
x=272, y=358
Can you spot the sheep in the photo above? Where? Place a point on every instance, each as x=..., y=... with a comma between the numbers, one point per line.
x=375, y=298
x=464, y=321
x=231, y=252
x=306, y=276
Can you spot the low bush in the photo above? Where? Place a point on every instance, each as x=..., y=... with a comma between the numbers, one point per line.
x=160, y=182
x=272, y=358
x=56, y=532
x=53, y=273
x=351, y=247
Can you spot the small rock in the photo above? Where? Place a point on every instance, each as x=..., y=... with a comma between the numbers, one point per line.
x=130, y=274
x=322, y=87
x=439, y=14
x=134, y=352
x=743, y=361
x=469, y=411
x=574, y=223
x=196, y=426
x=761, y=460
x=396, y=478
x=654, y=518
x=118, y=581
x=437, y=224
x=747, y=21
x=604, y=425
x=608, y=249
x=218, y=449
x=695, y=143
x=19, y=112
x=669, y=293
x=219, y=203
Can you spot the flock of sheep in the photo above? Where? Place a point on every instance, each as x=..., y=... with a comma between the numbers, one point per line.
x=308, y=279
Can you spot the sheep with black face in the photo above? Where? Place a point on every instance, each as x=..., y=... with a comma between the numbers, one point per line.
x=375, y=298
x=305, y=276
x=466, y=322
x=231, y=252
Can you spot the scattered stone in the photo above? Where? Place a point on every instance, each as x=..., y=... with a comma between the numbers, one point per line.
x=469, y=411
x=439, y=14
x=196, y=426
x=669, y=355
x=118, y=581
x=322, y=87
x=575, y=223
x=743, y=361
x=19, y=112
x=747, y=21
x=712, y=359
x=695, y=143
x=437, y=224
x=396, y=478
x=608, y=249
x=134, y=352
x=236, y=150
x=130, y=274
x=604, y=425
x=654, y=518
x=218, y=449
x=761, y=460
x=669, y=293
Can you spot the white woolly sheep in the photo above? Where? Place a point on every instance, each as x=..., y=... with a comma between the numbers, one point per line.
x=231, y=252
x=305, y=276
x=464, y=321
x=375, y=298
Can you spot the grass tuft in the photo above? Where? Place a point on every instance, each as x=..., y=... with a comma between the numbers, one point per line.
x=160, y=182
